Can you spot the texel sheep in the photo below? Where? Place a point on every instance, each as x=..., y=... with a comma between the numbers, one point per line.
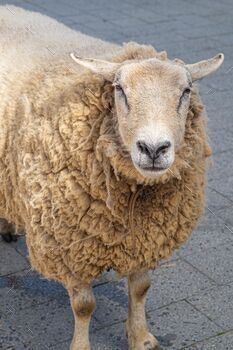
x=102, y=158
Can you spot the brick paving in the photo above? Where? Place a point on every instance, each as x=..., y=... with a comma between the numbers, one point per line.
x=190, y=304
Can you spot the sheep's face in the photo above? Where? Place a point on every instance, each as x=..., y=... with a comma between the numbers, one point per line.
x=152, y=100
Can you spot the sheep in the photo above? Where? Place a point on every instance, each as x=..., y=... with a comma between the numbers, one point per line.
x=102, y=159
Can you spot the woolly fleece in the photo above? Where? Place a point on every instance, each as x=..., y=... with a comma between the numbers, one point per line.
x=65, y=178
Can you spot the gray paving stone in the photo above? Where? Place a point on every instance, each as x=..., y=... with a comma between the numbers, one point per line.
x=175, y=326
x=112, y=302
x=215, y=262
x=224, y=217
x=215, y=200
x=83, y=18
x=222, y=341
x=194, y=20
x=110, y=311
x=26, y=289
x=160, y=42
x=144, y=14
x=227, y=217
x=210, y=221
x=185, y=49
x=126, y=23
x=10, y=260
x=225, y=40
x=61, y=8
x=217, y=304
x=44, y=325
x=27, y=6
x=216, y=140
x=219, y=116
x=221, y=81
x=6, y=2
x=173, y=282
x=218, y=98
x=20, y=246
x=179, y=8
x=103, y=30
x=179, y=325
x=210, y=233
x=221, y=167
x=223, y=185
x=9, y=338
x=111, y=12
x=209, y=29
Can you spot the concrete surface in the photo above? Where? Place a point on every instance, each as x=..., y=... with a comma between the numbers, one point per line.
x=190, y=304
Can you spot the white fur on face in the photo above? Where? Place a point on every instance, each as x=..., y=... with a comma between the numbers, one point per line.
x=153, y=135
x=152, y=108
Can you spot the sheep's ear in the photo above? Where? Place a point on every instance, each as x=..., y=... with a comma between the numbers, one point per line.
x=104, y=68
x=201, y=69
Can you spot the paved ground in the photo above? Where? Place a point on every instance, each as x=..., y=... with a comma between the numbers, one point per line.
x=190, y=304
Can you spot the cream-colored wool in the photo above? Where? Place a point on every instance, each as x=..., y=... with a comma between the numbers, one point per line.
x=64, y=177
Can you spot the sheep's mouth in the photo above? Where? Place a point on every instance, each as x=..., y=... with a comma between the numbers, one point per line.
x=154, y=169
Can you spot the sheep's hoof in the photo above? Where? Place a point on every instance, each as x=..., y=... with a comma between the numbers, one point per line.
x=151, y=345
x=77, y=344
x=148, y=343
x=9, y=237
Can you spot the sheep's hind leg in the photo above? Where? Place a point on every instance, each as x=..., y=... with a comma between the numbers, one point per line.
x=83, y=304
x=139, y=337
x=7, y=231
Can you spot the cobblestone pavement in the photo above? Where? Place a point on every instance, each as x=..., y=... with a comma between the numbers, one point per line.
x=190, y=304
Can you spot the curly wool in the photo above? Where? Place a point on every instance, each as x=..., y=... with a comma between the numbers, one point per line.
x=67, y=180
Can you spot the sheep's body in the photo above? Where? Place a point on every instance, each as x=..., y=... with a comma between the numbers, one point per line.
x=82, y=204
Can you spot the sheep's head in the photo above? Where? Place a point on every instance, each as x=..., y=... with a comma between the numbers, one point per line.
x=152, y=100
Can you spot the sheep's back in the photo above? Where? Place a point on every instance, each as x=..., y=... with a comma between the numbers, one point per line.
x=35, y=65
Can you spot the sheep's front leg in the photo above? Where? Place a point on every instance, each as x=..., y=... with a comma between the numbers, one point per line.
x=137, y=330
x=83, y=304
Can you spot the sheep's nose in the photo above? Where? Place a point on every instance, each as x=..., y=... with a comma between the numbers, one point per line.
x=153, y=151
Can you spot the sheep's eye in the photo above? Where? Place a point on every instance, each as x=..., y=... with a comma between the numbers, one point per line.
x=184, y=95
x=120, y=90
x=186, y=92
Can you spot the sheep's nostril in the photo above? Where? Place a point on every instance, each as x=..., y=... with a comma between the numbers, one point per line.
x=144, y=148
x=153, y=151
x=162, y=148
